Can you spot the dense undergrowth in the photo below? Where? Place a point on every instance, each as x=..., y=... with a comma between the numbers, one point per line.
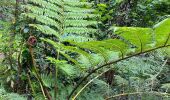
x=84, y=50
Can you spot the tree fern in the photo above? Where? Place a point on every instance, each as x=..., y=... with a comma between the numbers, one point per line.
x=73, y=18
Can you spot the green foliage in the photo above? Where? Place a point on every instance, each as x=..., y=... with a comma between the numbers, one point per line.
x=143, y=74
x=149, y=12
x=141, y=13
x=166, y=87
x=10, y=96
x=66, y=23
x=9, y=48
x=147, y=39
x=66, y=16
x=162, y=29
x=67, y=49
x=126, y=40
x=144, y=36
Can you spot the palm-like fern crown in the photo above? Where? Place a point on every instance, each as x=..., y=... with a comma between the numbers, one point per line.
x=60, y=17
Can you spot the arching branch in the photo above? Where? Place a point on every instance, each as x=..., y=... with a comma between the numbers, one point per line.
x=113, y=62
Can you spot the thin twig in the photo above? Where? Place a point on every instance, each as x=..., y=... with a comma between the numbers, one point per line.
x=124, y=94
x=88, y=84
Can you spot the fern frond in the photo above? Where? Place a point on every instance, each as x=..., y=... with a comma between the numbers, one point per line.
x=57, y=2
x=43, y=19
x=47, y=80
x=79, y=23
x=66, y=68
x=69, y=49
x=7, y=3
x=45, y=29
x=78, y=15
x=67, y=16
x=47, y=5
x=43, y=11
x=74, y=37
x=78, y=30
x=77, y=9
x=76, y=3
x=162, y=32
x=141, y=38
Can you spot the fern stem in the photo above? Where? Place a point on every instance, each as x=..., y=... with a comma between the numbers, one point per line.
x=16, y=9
x=55, y=83
x=88, y=84
x=44, y=89
x=29, y=82
x=167, y=40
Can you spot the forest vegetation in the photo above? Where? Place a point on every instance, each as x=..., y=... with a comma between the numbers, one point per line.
x=84, y=49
